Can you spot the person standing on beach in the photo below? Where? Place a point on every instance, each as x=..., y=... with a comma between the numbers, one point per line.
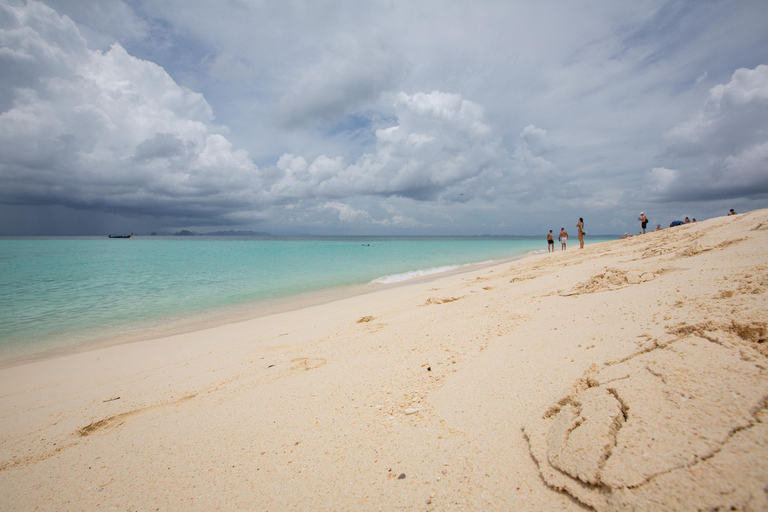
x=550, y=242
x=643, y=221
x=580, y=227
x=563, y=238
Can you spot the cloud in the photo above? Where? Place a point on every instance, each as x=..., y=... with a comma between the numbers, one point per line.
x=440, y=141
x=428, y=106
x=227, y=67
x=722, y=151
x=662, y=178
x=107, y=131
x=347, y=213
x=535, y=139
x=747, y=86
x=353, y=73
x=533, y=169
x=101, y=21
x=400, y=221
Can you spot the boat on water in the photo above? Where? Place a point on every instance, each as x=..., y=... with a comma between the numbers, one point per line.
x=121, y=236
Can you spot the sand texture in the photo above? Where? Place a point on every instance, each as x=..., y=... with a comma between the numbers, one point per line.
x=630, y=375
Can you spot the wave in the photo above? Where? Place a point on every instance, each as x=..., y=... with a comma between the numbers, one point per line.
x=414, y=274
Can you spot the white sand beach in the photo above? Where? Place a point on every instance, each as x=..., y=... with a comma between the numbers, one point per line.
x=628, y=375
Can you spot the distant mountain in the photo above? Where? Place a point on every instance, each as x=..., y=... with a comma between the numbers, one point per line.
x=185, y=232
x=236, y=233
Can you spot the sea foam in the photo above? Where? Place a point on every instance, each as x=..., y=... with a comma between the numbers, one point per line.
x=414, y=274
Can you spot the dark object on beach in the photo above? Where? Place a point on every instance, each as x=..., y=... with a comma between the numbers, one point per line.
x=429, y=368
x=676, y=223
x=402, y=475
x=121, y=236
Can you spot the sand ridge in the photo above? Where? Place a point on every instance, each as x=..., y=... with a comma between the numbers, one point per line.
x=628, y=375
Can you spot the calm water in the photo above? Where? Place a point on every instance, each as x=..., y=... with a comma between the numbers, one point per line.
x=60, y=292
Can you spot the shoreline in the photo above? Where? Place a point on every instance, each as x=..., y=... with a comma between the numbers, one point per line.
x=491, y=389
x=224, y=315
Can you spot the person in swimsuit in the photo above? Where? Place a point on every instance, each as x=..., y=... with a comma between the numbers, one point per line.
x=580, y=227
x=550, y=242
x=643, y=221
x=563, y=238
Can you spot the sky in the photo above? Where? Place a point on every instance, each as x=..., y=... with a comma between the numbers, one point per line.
x=436, y=117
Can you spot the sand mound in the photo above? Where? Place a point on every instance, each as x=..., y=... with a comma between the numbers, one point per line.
x=611, y=279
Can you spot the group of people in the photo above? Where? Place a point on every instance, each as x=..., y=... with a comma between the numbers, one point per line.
x=563, y=237
x=644, y=222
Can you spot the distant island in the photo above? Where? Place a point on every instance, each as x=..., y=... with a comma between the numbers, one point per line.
x=185, y=232
x=236, y=233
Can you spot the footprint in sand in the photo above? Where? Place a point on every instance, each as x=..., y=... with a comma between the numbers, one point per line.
x=306, y=363
x=118, y=419
x=444, y=300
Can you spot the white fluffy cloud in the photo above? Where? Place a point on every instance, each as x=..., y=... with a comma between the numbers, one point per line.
x=350, y=215
x=440, y=141
x=729, y=133
x=747, y=86
x=347, y=213
x=108, y=131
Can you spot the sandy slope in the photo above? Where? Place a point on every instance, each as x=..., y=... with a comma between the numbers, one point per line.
x=631, y=374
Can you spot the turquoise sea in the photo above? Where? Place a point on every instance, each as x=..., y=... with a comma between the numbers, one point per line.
x=58, y=293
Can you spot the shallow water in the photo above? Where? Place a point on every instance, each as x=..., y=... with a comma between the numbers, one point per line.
x=64, y=291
